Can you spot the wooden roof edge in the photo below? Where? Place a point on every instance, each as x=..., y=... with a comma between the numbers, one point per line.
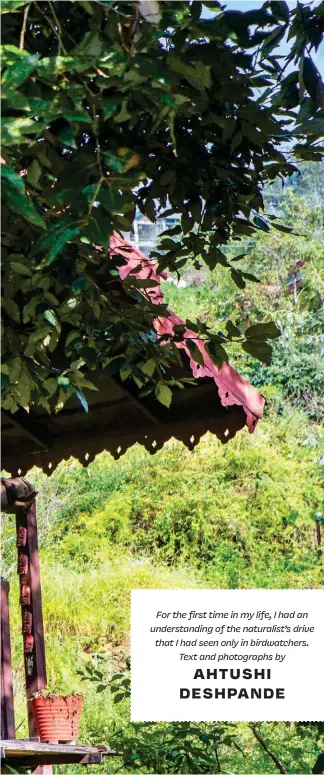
x=152, y=438
x=232, y=387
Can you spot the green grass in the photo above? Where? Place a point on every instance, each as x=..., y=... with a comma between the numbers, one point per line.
x=86, y=612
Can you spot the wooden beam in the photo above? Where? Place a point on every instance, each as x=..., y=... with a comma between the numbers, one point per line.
x=137, y=402
x=36, y=430
x=33, y=745
x=31, y=754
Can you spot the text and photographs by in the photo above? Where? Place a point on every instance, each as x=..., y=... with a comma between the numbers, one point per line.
x=234, y=655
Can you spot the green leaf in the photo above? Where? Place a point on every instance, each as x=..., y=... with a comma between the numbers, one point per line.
x=163, y=394
x=22, y=206
x=109, y=107
x=84, y=403
x=280, y=227
x=114, y=162
x=263, y=331
x=237, y=139
x=15, y=196
x=68, y=306
x=259, y=349
x=87, y=7
x=311, y=78
x=187, y=223
x=64, y=382
x=11, y=769
x=15, y=75
x=20, y=268
x=273, y=40
x=169, y=244
x=238, y=258
x=125, y=371
x=10, y=6
x=51, y=318
x=238, y=279
x=148, y=209
x=71, y=337
x=142, y=282
x=99, y=674
x=195, y=352
x=15, y=369
x=98, y=229
x=14, y=129
x=66, y=235
x=78, y=285
x=314, y=126
x=112, y=200
x=90, y=46
x=66, y=136
x=119, y=697
x=41, y=333
x=51, y=385
x=251, y=277
x=123, y=114
x=217, y=352
x=77, y=364
x=51, y=298
x=34, y=173
x=280, y=10
x=11, y=177
x=232, y=330
x=148, y=367
x=261, y=223
x=12, y=309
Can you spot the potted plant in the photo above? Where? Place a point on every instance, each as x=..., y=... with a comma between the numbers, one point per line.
x=57, y=717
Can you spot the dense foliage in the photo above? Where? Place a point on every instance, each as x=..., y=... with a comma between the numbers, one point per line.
x=291, y=271
x=109, y=106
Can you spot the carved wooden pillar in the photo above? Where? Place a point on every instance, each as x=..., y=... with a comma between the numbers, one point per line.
x=19, y=497
x=7, y=705
x=31, y=604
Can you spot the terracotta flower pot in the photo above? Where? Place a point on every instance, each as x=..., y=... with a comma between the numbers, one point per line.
x=57, y=718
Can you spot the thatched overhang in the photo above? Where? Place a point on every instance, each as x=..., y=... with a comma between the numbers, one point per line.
x=221, y=402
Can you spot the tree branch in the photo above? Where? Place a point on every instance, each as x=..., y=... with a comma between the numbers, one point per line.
x=272, y=756
x=23, y=29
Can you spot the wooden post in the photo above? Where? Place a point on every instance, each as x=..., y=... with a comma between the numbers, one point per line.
x=7, y=704
x=31, y=605
x=318, y=538
x=18, y=497
x=31, y=611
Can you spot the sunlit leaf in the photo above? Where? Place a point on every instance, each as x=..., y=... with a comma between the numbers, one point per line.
x=163, y=394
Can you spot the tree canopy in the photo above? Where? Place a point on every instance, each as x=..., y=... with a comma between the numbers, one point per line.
x=109, y=107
